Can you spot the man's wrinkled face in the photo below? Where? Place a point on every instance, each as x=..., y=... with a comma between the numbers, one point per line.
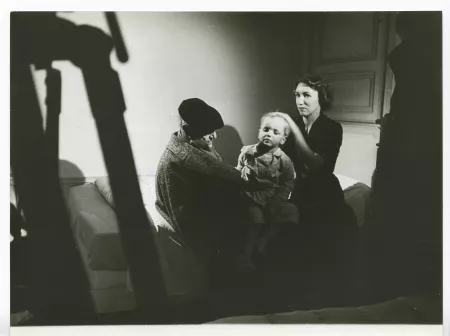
x=206, y=141
x=209, y=138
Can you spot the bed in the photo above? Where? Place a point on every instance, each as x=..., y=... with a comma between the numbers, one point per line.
x=95, y=227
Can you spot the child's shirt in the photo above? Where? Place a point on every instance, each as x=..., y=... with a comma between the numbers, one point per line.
x=275, y=167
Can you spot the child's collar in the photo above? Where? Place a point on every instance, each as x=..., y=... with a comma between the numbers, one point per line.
x=253, y=151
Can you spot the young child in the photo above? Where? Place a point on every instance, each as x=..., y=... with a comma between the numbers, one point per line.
x=269, y=208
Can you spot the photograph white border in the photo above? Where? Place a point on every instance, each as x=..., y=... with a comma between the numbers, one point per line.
x=136, y=5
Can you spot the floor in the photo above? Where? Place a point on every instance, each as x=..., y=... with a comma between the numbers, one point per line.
x=262, y=292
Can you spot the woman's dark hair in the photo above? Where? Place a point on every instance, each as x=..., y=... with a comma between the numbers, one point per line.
x=324, y=90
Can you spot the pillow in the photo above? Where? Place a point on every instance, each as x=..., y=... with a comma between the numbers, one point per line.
x=104, y=188
x=358, y=197
x=345, y=181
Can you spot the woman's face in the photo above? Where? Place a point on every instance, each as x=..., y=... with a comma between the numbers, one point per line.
x=307, y=100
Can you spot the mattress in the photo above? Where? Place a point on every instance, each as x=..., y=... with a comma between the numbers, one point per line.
x=96, y=227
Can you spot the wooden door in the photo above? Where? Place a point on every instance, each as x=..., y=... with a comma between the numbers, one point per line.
x=349, y=50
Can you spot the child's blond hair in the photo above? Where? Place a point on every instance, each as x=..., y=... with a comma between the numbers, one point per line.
x=287, y=129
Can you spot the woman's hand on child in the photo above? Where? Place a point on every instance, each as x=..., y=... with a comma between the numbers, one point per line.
x=288, y=119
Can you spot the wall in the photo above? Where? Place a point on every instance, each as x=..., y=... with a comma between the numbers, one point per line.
x=242, y=64
x=357, y=158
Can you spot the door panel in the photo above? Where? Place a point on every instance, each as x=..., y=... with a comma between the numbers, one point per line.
x=349, y=51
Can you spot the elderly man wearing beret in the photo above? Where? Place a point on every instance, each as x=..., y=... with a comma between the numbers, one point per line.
x=197, y=193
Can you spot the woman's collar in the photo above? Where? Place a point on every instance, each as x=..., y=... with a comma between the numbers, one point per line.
x=314, y=122
x=302, y=123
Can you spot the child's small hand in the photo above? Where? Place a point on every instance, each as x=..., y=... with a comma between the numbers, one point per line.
x=246, y=172
x=250, y=177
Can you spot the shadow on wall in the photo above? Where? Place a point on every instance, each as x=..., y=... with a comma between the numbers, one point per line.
x=68, y=169
x=228, y=144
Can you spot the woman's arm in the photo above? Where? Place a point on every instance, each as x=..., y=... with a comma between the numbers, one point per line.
x=311, y=159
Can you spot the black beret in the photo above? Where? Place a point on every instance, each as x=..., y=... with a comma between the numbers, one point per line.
x=201, y=119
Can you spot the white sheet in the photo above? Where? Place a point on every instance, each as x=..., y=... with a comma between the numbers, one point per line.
x=147, y=184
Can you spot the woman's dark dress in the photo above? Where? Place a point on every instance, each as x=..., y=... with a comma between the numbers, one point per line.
x=328, y=232
x=319, y=188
